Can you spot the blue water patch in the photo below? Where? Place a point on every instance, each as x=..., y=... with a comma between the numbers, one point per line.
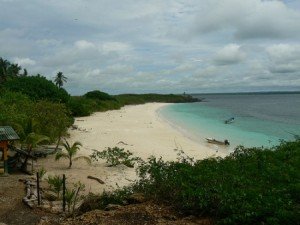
x=250, y=127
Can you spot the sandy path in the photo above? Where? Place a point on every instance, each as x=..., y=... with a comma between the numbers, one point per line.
x=143, y=132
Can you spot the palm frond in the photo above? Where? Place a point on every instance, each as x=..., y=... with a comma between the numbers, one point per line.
x=86, y=158
x=61, y=155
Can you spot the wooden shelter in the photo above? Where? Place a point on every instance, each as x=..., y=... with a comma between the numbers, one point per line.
x=7, y=134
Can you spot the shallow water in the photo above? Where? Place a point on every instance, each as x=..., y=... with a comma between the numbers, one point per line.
x=260, y=119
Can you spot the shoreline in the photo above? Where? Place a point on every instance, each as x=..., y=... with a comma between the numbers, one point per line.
x=137, y=128
x=223, y=151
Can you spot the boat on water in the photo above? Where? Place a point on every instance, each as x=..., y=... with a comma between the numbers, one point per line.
x=214, y=141
x=230, y=120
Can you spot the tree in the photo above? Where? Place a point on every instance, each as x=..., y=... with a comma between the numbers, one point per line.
x=14, y=70
x=25, y=73
x=37, y=88
x=4, y=65
x=60, y=79
x=71, y=152
x=32, y=140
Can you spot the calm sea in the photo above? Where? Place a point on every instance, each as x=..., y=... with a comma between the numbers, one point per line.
x=260, y=119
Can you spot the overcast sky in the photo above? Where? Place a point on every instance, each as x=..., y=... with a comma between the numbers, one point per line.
x=164, y=46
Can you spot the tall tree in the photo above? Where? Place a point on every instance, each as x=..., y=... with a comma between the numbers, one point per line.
x=4, y=65
x=25, y=73
x=14, y=70
x=60, y=79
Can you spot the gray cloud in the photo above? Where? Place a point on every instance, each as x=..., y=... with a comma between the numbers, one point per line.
x=155, y=46
x=250, y=19
x=230, y=54
x=284, y=58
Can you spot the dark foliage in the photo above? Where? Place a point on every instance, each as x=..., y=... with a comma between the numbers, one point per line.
x=132, y=99
x=37, y=88
x=82, y=106
x=99, y=95
x=116, y=156
x=250, y=186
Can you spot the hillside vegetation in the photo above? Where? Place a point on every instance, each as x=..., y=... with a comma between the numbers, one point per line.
x=250, y=186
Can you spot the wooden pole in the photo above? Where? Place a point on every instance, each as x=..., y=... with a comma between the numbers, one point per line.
x=64, y=192
x=5, y=149
x=38, y=188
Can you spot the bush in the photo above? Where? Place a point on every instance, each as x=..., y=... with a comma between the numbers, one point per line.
x=116, y=156
x=37, y=88
x=98, y=95
x=80, y=106
x=56, y=184
x=93, y=201
x=250, y=186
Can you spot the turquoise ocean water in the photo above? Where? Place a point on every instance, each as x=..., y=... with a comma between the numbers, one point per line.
x=260, y=119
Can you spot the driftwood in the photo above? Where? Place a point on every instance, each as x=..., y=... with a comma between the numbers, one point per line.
x=95, y=178
x=122, y=142
x=31, y=197
x=31, y=194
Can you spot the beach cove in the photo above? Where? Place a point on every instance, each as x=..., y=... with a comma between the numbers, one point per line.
x=137, y=128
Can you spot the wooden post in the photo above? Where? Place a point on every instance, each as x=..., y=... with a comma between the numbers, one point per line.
x=64, y=192
x=5, y=149
x=38, y=188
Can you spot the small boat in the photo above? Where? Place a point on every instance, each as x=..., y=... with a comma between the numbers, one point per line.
x=230, y=120
x=214, y=141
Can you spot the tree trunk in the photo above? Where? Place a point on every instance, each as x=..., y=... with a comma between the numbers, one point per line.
x=57, y=144
x=70, y=163
x=24, y=165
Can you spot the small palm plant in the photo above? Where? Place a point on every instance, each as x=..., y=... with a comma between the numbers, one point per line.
x=71, y=152
x=56, y=184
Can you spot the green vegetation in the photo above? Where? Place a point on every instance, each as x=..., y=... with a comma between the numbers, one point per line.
x=98, y=95
x=41, y=172
x=56, y=184
x=134, y=99
x=250, y=186
x=83, y=106
x=26, y=116
x=72, y=196
x=37, y=88
x=60, y=79
x=71, y=151
x=116, y=156
x=31, y=141
x=9, y=70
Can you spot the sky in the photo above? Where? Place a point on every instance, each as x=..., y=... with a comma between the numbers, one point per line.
x=161, y=46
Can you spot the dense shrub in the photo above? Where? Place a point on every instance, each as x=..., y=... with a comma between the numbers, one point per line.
x=82, y=106
x=98, y=95
x=15, y=110
x=37, y=88
x=250, y=186
x=116, y=156
x=25, y=116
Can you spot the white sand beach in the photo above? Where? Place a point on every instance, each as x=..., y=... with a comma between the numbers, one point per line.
x=136, y=128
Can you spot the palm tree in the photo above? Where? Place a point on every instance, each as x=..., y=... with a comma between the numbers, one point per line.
x=4, y=65
x=14, y=70
x=71, y=152
x=60, y=79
